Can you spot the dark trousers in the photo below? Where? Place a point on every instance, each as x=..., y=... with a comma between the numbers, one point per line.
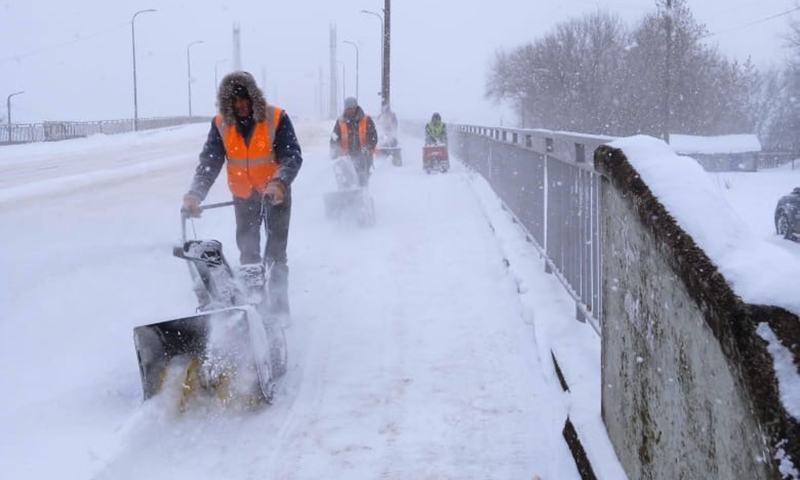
x=363, y=166
x=249, y=219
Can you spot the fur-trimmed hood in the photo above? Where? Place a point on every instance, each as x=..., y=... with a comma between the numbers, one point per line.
x=225, y=97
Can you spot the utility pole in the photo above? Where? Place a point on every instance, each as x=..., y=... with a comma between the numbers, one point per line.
x=133, y=44
x=321, y=94
x=344, y=80
x=237, y=48
x=668, y=71
x=387, y=54
x=189, y=72
x=334, y=94
x=8, y=110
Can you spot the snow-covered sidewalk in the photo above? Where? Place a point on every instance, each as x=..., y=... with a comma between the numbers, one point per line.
x=412, y=353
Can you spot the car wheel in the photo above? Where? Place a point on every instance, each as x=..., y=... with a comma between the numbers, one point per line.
x=782, y=226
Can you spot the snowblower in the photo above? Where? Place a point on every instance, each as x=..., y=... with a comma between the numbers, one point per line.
x=388, y=146
x=435, y=158
x=231, y=350
x=352, y=201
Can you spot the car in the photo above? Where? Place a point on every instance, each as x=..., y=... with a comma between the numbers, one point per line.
x=787, y=215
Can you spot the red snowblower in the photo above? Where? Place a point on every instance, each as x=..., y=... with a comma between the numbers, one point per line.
x=435, y=158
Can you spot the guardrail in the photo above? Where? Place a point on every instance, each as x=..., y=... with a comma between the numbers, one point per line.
x=777, y=159
x=548, y=183
x=53, y=131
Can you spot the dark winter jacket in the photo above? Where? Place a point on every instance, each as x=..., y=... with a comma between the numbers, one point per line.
x=285, y=145
x=355, y=147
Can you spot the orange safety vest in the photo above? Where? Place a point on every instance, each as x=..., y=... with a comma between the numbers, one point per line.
x=250, y=166
x=344, y=134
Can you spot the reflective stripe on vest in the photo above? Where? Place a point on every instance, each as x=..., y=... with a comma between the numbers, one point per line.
x=250, y=166
x=344, y=134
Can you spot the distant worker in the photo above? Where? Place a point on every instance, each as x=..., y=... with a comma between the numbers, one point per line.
x=388, y=124
x=435, y=131
x=263, y=158
x=355, y=135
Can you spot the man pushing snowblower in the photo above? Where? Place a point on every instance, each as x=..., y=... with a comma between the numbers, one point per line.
x=355, y=136
x=353, y=145
x=232, y=349
x=263, y=154
x=434, y=153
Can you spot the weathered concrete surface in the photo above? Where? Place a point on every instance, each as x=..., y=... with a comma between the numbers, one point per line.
x=689, y=391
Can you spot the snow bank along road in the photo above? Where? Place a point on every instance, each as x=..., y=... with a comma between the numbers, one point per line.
x=410, y=356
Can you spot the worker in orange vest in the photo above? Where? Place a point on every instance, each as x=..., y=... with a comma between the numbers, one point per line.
x=263, y=158
x=355, y=135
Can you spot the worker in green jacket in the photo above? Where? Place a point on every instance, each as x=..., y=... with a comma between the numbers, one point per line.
x=435, y=131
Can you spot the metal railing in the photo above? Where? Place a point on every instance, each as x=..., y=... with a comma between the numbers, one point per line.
x=53, y=131
x=777, y=159
x=547, y=182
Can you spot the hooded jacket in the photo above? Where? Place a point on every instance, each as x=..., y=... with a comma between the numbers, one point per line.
x=285, y=147
x=355, y=149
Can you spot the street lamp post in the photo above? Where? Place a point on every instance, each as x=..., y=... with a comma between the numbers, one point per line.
x=133, y=44
x=216, y=81
x=189, y=72
x=667, y=71
x=356, y=47
x=344, y=79
x=8, y=110
x=380, y=17
x=387, y=55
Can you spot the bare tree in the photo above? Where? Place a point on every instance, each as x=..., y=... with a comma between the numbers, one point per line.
x=594, y=75
x=779, y=118
x=564, y=80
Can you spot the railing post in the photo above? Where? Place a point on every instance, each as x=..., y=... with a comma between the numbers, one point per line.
x=579, y=315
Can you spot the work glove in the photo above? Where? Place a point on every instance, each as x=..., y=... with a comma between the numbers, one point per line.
x=275, y=192
x=191, y=205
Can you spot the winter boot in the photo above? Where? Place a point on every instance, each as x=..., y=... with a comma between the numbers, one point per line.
x=252, y=279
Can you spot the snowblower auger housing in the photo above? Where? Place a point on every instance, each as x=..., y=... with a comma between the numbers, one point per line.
x=351, y=201
x=228, y=348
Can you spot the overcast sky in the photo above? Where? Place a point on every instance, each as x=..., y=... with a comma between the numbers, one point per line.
x=73, y=57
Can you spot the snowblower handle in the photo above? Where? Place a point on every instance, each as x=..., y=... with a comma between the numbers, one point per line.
x=185, y=214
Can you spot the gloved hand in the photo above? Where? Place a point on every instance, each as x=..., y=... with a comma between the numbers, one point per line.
x=191, y=205
x=275, y=191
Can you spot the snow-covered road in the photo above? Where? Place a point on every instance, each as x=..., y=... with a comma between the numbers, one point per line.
x=754, y=196
x=410, y=353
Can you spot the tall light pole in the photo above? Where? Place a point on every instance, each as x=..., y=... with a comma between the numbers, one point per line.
x=189, y=70
x=8, y=110
x=344, y=79
x=216, y=81
x=667, y=71
x=356, y=47
x=387, y=55
x=133, y=43
x=380, y=17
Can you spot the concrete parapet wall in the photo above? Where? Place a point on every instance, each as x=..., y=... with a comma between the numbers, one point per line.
x=689, y=388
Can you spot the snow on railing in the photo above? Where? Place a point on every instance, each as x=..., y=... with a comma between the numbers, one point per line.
x=547, y=181
x=52, y=131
